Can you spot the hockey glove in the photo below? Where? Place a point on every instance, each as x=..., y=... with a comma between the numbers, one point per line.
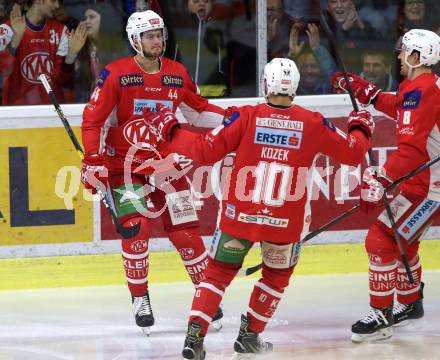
x=94, y=173
x=361, y=120
x=363, y=91
x=372, y=191
x=161, y=123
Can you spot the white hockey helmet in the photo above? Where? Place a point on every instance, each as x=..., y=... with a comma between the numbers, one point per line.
x=426, y=42
x=280, y=77
x=140, y=22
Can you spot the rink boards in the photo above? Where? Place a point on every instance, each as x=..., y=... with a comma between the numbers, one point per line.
x=44, y=210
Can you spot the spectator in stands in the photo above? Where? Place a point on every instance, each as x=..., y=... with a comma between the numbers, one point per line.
x=418, y=14
x=38, y=45
x=201, y=8
x=208, y=64
x=103, y=46
x=376, y=69
x=240, y=17
x=315, y=63
x=350, y=30
x=278, y=28
x=381, y=15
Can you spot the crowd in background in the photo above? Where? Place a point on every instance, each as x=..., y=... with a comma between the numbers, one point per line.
x=217, y=40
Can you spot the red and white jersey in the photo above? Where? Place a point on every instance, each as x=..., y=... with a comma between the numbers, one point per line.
x=41, y=51
x=416, y=107
x=125, y=89
x=276, y=148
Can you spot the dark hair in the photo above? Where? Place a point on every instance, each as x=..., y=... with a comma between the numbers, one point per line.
x=109, y=17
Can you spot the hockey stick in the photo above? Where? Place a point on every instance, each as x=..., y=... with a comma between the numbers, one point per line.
x=253, y=269
x=370, y=151
x=126, y=232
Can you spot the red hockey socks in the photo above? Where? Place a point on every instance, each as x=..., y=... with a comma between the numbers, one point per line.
x=191, y=248
x=135, y=256
x=408, y=293
x=210, y=292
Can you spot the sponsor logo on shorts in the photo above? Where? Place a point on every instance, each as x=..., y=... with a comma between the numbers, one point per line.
x=263, y=220
x=230, y=211
x=418, y=218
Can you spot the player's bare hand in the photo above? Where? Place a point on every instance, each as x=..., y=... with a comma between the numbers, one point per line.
x=295, y=47
x=353, y=19
x=313, y=34
x=18, y=22
x=77, y=38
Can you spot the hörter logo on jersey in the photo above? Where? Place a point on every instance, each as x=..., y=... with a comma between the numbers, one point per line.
x=281, y=138
x=137, y=134
x=35, y=64
x=131, y=80
x=172, y=80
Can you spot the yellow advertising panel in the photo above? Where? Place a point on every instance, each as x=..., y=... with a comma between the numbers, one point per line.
x=41, y=200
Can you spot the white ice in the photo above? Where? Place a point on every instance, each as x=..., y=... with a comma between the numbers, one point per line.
x=313, y=322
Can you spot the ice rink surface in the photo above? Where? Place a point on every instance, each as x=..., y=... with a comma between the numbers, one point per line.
x=313, y=322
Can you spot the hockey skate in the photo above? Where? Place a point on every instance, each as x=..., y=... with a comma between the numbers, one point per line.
x=248, y=343
x=404, y=312
x=143, y=313
x=376, y=325
x=217, y=319
x=193, y=347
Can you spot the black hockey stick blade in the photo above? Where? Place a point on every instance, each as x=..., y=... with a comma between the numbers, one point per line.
x=125, y=232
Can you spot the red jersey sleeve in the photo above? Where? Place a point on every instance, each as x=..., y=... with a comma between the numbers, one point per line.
x=348, y=149
x=212, y=147
x=196, y=109
x=418, y=114
x=98, y=109
x=387, y=103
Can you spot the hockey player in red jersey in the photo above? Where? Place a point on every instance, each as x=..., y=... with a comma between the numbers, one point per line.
x=276, y=146
x=40, y=45
x=416, y=109
x=125, y=88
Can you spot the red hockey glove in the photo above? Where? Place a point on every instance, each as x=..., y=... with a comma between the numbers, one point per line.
x=372, y=191
x=361, y=120
x=94, y=173
x=363, y=91
x=231, y=114
x=161, y=123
